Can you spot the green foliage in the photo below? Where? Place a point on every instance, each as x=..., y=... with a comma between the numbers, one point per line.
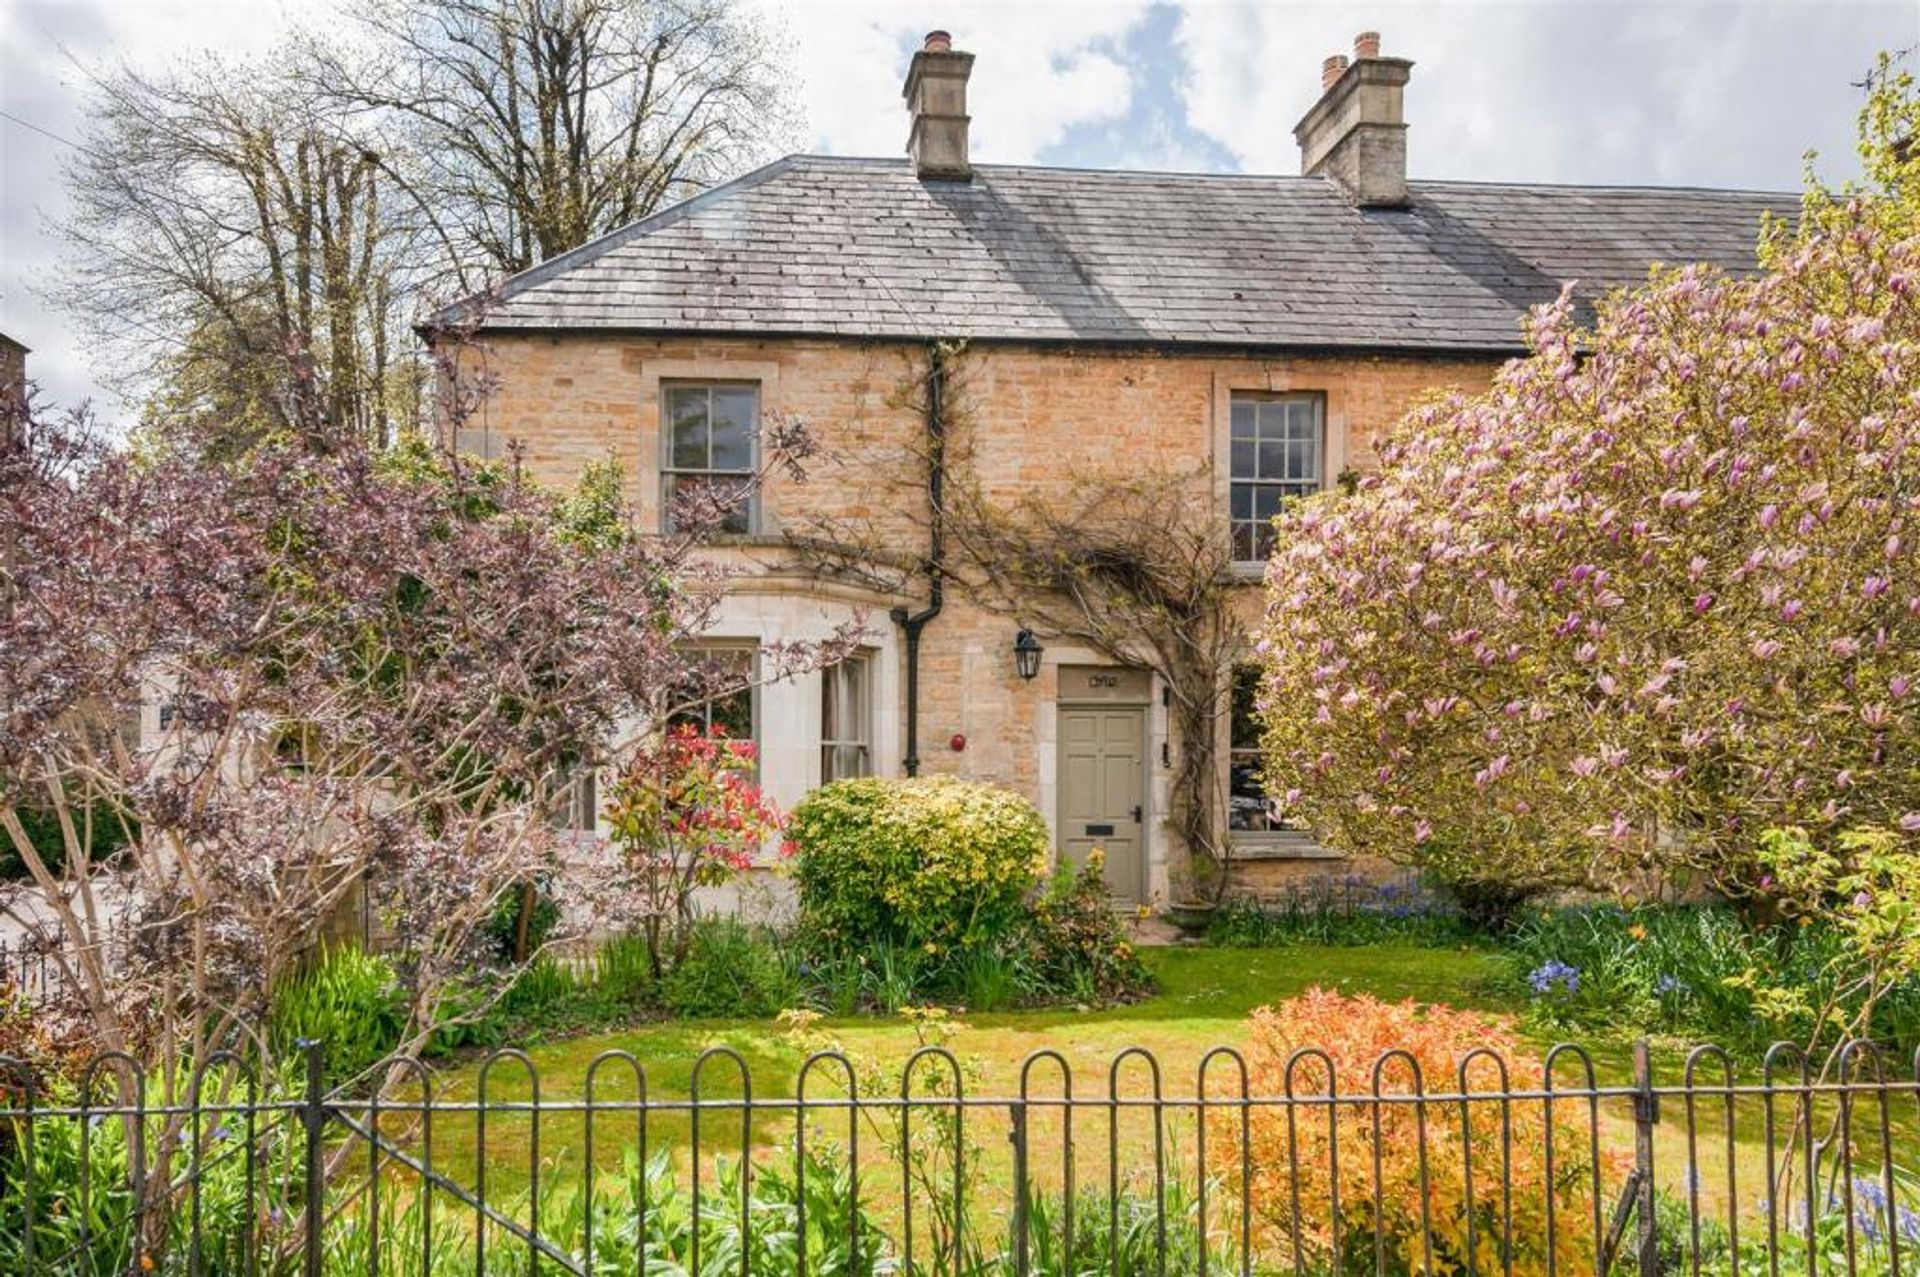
x=1072, y=945
x=100, y=1230
x=1862, y=885
x=348, y=1000
x=931, y=861
x=623, y=972
x=503, y=928
x=595, y=513
x=101, y=829
x=1684, y=970
x=1121, y=1235
x=730, y=969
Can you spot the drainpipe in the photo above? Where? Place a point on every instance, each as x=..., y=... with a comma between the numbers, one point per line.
x=914, y=622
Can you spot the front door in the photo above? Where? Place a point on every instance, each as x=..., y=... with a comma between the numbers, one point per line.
x=1102, y=792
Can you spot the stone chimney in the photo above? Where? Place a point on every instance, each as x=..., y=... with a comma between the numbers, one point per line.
x=936, y=96
x=1356, y=133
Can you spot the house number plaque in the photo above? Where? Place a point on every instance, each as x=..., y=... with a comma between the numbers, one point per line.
x=1108, y=684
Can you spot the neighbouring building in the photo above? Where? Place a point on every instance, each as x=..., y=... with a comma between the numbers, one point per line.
x=13, y=379
x=1259, y=331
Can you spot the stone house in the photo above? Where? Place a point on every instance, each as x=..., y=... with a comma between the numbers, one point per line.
x=1260, y=332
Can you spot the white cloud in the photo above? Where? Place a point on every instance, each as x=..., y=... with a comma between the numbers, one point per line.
x=1559, y=90
x=1041, y=69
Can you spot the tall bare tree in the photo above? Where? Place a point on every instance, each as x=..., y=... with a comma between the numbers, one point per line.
x=540, y=124
x=244, y=251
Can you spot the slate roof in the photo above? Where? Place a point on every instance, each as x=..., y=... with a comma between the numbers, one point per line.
x=811, y=245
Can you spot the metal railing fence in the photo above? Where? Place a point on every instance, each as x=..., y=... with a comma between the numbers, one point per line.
x=1702, y=1166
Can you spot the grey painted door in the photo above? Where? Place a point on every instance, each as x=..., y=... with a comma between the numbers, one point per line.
x=1102, y=798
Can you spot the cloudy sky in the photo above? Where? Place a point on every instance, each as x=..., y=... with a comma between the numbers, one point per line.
x=1681, y=92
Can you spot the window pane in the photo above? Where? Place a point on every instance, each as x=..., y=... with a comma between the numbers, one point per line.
x=1243, y=451
x=1247, y=807
x=1245, y=729
x=1273, y=459
x=1244, y=413
x=1300, y=415
x=1243, y=542
x=737, y=517
x=731, y=711
x=687, y=418
x=732, y=715
x=733, y=426
x=1241, y=501
x=844, y=723
x=1266, y=502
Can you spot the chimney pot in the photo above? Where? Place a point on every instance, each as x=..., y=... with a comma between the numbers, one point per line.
x=938, y=42
x=1356, y=133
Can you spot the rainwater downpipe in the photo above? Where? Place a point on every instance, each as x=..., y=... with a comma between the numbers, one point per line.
x=912, y=623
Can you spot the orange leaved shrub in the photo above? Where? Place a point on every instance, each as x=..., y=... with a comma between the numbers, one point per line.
x=1295, y=1168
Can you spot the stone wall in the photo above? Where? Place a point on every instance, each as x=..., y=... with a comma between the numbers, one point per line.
x=1031, y=421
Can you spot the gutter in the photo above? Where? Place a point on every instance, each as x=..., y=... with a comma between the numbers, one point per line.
x=915, y=622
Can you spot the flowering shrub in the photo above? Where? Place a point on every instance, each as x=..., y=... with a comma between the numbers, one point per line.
x=1551, y=975
x=685, y=814
x=1355, y=1032
x=1072, y=945
x=1652, y=593
x=930, y=862
x=1863, y=886
x=1705, y=973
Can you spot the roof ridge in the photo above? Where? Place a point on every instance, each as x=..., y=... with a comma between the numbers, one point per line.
x=859, y=161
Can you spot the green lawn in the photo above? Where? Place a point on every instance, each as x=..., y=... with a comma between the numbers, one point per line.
x=1204, y=999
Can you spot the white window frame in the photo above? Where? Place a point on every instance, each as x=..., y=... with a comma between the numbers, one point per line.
x=836, y=744
x=1244, y=525
x=671, y=471
x=703, y=711
x=576, y=800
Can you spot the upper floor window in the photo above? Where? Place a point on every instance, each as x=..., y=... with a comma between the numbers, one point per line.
x=1279, y=451
x=708, y=442
x=846, y=719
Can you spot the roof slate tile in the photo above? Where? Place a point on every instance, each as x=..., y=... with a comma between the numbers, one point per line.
x=864, y=248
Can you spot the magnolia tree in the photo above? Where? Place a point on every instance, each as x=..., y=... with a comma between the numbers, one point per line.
x=1653, y=593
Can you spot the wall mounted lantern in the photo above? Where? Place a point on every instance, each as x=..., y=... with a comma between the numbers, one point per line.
x=1026, y=654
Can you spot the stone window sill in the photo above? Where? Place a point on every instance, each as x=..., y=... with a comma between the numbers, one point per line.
x=1258, y=847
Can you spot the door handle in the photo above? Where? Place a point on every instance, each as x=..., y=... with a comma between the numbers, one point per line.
x=1136, y=813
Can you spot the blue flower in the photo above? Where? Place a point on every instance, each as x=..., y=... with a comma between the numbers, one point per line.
x=1668, y=985
x=1870, y=1194
x=1908, y=1220
x=1554, y=973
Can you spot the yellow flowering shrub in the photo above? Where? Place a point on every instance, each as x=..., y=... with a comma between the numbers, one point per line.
x=932, y=861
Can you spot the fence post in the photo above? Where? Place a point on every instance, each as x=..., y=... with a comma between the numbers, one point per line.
x=313, y=1117
x=1017, y=1135
x=1646, y=1116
